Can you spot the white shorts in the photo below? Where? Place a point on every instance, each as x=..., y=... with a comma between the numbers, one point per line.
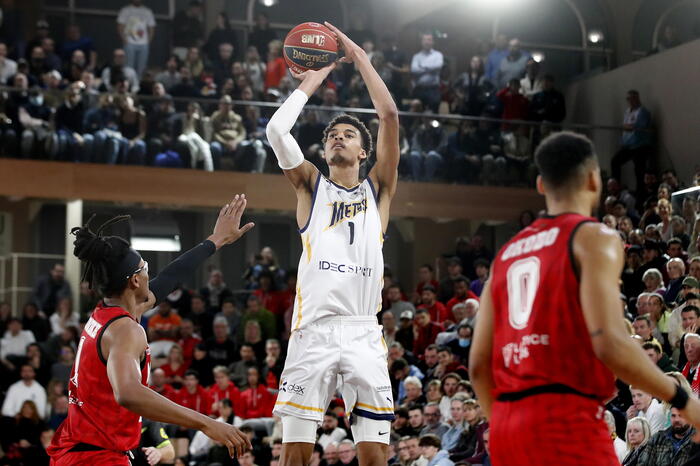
x=344, y=352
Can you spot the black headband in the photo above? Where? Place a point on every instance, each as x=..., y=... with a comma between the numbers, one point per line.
x=126, y=267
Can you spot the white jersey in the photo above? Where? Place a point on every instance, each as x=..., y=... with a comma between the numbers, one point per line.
x=341, y=267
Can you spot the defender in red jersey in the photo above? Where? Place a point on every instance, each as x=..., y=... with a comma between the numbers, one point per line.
x=108, y=391
x=550, y=332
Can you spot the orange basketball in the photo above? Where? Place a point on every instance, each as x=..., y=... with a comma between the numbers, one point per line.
x=310, y=46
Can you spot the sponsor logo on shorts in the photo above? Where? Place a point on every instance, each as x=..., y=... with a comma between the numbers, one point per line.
x=383, y=388
x=291, y=388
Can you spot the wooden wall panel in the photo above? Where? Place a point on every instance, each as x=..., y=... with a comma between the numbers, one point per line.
x=195, y=188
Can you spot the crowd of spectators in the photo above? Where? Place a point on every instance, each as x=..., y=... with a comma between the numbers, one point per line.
x=68, y=103
x=220, y=349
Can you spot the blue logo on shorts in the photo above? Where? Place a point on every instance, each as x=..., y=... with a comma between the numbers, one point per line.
x=291, y=387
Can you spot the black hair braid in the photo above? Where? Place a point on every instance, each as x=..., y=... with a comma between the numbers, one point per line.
x=98, y=252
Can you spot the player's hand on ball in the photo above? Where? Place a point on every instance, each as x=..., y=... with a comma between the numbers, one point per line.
x=319, y=75
x=229, y=436
x=153, y=455
x=228, y=226
x=352, y=50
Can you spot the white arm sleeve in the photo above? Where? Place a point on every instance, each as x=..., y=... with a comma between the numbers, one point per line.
x=287, y=151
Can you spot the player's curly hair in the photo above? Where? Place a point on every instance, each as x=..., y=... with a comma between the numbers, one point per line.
x=355, y=122
x=100, y=255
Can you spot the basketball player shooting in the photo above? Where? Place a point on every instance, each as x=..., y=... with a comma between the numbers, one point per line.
x=107, y=390
x=550, y=337
x=335, y=339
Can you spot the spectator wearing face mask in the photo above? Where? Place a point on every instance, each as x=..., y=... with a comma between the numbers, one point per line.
x=461, y=346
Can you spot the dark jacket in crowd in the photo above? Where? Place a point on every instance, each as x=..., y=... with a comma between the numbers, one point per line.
x=548, y=106
x=47, y=292
x=71, y=118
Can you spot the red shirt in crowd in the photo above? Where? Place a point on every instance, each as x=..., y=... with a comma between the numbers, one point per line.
x=426, y=336
x=270, y=300
x=438, y=312
x=231, y=392
x=188, y=345
x=271, y=379
x=276, y=70
x=166, y=390
x=179, y=372
x=198, y=401
x=286, y=299
x=256, y=402
x=515, y=106
x=433, y=283
x=456, y=300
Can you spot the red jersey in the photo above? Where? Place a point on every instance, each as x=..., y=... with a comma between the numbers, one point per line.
x=94, y=416
x=540, y=335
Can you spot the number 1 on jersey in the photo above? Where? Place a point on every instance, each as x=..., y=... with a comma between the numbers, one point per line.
x=77, y=361
x=351, y=225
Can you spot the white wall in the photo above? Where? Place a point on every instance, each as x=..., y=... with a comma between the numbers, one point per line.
x=669, y=87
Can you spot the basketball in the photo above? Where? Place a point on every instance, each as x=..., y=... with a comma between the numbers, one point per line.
x=310, y=46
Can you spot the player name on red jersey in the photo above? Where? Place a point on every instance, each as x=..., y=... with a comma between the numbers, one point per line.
x=531, y=243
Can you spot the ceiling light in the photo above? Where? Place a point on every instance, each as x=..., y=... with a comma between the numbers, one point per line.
x=155, y=243
x=538, y=56
x=269, y=3
x=595, y=36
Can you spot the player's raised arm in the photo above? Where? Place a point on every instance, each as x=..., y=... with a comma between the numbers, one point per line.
x=227, y=230
x=385, y=171
x=480, y=372
x=124, y=372
x=599, y=257
x=289, y=155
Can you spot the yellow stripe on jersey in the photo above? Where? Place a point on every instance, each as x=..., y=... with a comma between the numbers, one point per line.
x=294, y=405
x=375, y=408
x=299, y=302
x=307, y=247
x=379, y=306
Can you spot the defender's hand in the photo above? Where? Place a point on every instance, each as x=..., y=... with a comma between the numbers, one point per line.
x=229, y=436
x=227, y=229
